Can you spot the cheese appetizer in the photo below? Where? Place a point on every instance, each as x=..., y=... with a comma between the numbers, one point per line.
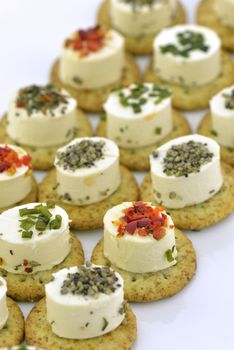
x=28, y=233
x=92, y=63
x=11, y=319
x=189, y=60
x=188, y=179
x=87, y=180
x=139, y=118
x=140, y=240
x=219, y=16
x=83, y=304
x=219, y=123
x=140, y=20
x=17, y=184
x=41, y=119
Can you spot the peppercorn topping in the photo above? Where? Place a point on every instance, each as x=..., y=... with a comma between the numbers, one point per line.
x=229, y=100
x=10, y=160
x=41, y=99
x=91, y=281
x=188, y=41
x=87, y=41
x=144, y=220
x=82, y=154
x=186, y=158
x=38, y=218
x=139, y=94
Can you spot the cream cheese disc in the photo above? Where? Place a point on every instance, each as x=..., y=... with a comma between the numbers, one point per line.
x=138, y=115
x=26, y=248
x=92, y=69
x=42, y=116
x=186, y=171
x=87, y=170
x=222, y=114
x=134, y=19
x=15, y=180
x=143, y=247
x=3, y=303
x=75, y=311
x=188, y=55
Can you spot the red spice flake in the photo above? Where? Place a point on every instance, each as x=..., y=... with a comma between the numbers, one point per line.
x=87, y=41
x=28, y=269
x=144, y=220
x=10, y=160
x=25, y=262
x=1, y=261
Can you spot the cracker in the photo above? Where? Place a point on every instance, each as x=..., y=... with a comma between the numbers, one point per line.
x=92, y=100
x=207, y=17
x=31, y=197
x=205, y=128
x=145, y=287
x=190, y=98
x=138, y=158
x=38, y=332
x=13, y=332
x=199, y=216
x=31, y=287
x=88, y=217
x=43, y=157
x=141, y=45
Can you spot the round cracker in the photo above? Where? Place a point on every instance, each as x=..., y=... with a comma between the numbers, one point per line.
x=13, y=331
x=140, y=45
x=138, y=158
x=205, y=128
x=145, y=287
x=31, y=287
x=88, y=217
x=198, y=97
x=92, y=100
x=43, y=157
x=38, y=332
x=207, y=17
x=199, y=216
x=30, y=198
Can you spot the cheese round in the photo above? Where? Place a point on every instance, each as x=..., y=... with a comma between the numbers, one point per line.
x=15, y=177
x=25, y=248
x=132, y=251
x=76, y=312
x=3, y=303
x=186, y=171
x=222, y=114
x=87, y=170
x=224, y=10
x=188, y=55
x=92, y=59
x=139, y=115
x=135, y=19
x=41, y=116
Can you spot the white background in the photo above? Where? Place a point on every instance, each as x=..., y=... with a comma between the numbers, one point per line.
x=201, y=316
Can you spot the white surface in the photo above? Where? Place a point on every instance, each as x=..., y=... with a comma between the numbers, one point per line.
x=201, y=316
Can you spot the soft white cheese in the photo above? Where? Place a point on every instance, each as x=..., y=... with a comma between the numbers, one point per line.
x=42, y=128
x=97, y=69
x=142, y=20
x=223, y=118
x=135, y=253
x=42, y=251
x=179, y=192
x=87, y=185
x=3, y=303
x=224, y=10
x=15, y=187
x=131, y=130
x=198, y=69
x=76, y=316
